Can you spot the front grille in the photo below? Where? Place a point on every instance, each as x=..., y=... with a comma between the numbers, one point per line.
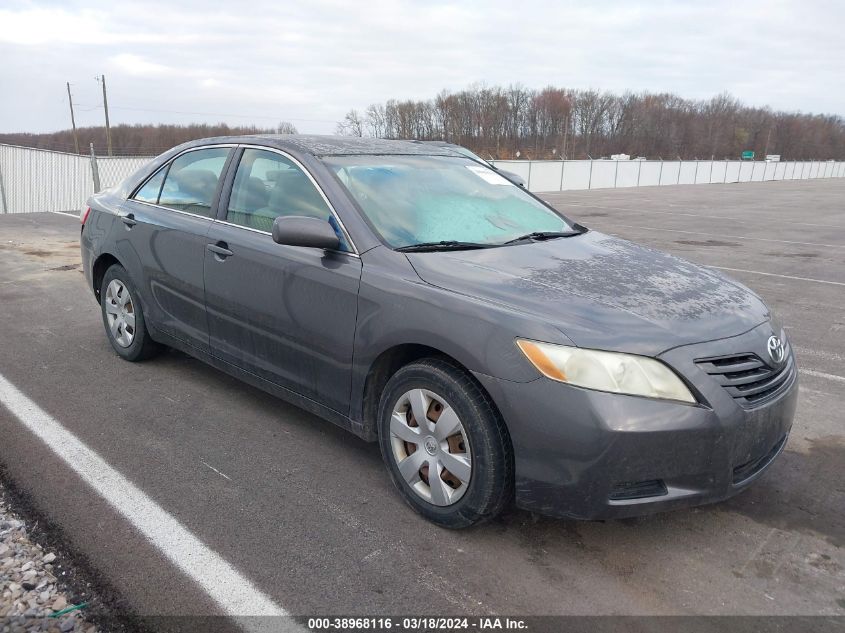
x=749, y=380
x=749, y=469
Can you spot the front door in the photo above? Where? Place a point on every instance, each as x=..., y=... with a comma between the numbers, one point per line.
x=284, y=313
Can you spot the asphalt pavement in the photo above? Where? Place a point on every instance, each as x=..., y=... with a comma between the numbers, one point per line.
x=305, y=511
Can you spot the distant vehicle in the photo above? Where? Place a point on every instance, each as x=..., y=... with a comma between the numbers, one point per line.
x=494, y=348
x=620, y=157
x=463, y=151
x=773, y=158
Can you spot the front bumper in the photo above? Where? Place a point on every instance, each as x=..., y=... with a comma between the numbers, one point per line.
x=593, y=455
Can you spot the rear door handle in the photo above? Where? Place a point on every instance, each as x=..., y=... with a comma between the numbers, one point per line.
x=220, y=250
x=129, y=220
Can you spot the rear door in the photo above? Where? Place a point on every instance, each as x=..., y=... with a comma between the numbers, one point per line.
x=163, y=238
x=284, y=313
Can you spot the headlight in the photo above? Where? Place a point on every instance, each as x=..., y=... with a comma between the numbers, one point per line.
x=606, y=371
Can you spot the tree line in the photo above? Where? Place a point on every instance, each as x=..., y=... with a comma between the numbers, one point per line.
x=141, y=140
x=515, y=121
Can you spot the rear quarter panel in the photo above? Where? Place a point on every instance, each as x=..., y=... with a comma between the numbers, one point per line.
x=97, y=233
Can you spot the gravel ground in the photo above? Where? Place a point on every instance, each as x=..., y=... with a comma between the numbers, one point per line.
x=31, y=598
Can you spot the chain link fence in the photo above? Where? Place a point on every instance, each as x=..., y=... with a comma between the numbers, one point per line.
x=33, y=180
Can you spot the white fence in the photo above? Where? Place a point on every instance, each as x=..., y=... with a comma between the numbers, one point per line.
x=563, y=175
x=40, y=180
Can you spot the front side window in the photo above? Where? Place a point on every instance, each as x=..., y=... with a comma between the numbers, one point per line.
x=268, y=185
x=422, y=199
x=191, y=181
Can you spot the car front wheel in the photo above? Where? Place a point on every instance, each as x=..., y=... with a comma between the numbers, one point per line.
x=445, y=444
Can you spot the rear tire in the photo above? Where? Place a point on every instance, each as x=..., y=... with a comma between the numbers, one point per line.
x=472, y=441
x=123, y=317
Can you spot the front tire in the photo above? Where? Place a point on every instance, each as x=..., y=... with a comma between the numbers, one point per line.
x=445, y=445
x=123, y=317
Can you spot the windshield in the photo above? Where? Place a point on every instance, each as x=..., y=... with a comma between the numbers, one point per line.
x=422, y=199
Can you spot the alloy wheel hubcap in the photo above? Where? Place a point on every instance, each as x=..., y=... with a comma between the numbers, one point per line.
x=430, y=447
x=120, y=313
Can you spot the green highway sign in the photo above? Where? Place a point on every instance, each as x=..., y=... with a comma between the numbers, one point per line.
x=748, y=155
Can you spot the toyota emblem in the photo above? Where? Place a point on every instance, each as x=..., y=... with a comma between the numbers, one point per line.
x=776, y=351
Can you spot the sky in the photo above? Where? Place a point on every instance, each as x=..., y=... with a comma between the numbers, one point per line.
x=310, y=61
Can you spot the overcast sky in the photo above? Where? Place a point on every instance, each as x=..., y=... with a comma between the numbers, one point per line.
x=310, y=61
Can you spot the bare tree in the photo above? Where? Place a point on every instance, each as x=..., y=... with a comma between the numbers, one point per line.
x=141, y=140
x=352, y=124
x=499, y=122
x=375, y=120
x=551, y=122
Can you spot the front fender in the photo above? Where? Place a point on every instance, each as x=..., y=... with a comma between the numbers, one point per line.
x=395, y=307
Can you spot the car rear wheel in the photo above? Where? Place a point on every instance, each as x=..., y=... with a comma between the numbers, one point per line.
x=445, y=445
x=123, y=317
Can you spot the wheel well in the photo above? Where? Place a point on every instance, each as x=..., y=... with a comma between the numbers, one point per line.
x=103, y=263
x=388, y=363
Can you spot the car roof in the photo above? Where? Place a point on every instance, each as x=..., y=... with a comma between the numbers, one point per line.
x=318, y=145
x=438, y=143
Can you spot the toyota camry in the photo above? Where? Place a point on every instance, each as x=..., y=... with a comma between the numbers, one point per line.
x=496, y=350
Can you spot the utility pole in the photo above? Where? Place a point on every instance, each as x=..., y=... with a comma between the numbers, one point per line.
x=72, y=120
x=102, y=79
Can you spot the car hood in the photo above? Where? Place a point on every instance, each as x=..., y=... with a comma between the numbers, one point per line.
x=602, y=292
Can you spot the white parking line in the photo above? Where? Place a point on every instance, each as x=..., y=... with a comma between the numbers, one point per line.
x=758, y=272
x=817, y=353
x=696, y=215
x=821, y=374
x=234, y=593
x=736, y=237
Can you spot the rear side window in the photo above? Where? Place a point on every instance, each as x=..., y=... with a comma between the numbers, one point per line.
x=189, y=182
x=268, y=185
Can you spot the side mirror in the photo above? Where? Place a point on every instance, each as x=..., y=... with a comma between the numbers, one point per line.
x=297, y=230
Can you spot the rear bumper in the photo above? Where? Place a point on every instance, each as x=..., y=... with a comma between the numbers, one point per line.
x=593, y=455
x=88, y=265
x=86, y=248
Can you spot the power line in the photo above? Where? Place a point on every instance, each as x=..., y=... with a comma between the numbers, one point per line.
x=240, y=116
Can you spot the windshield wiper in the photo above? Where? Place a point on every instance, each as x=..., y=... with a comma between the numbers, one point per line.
x=444, y=245
x=544, y=235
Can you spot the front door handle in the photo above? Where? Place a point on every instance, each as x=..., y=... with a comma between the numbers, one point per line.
x=220, y=251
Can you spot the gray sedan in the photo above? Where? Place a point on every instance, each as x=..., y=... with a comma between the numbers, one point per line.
x=496, y=350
